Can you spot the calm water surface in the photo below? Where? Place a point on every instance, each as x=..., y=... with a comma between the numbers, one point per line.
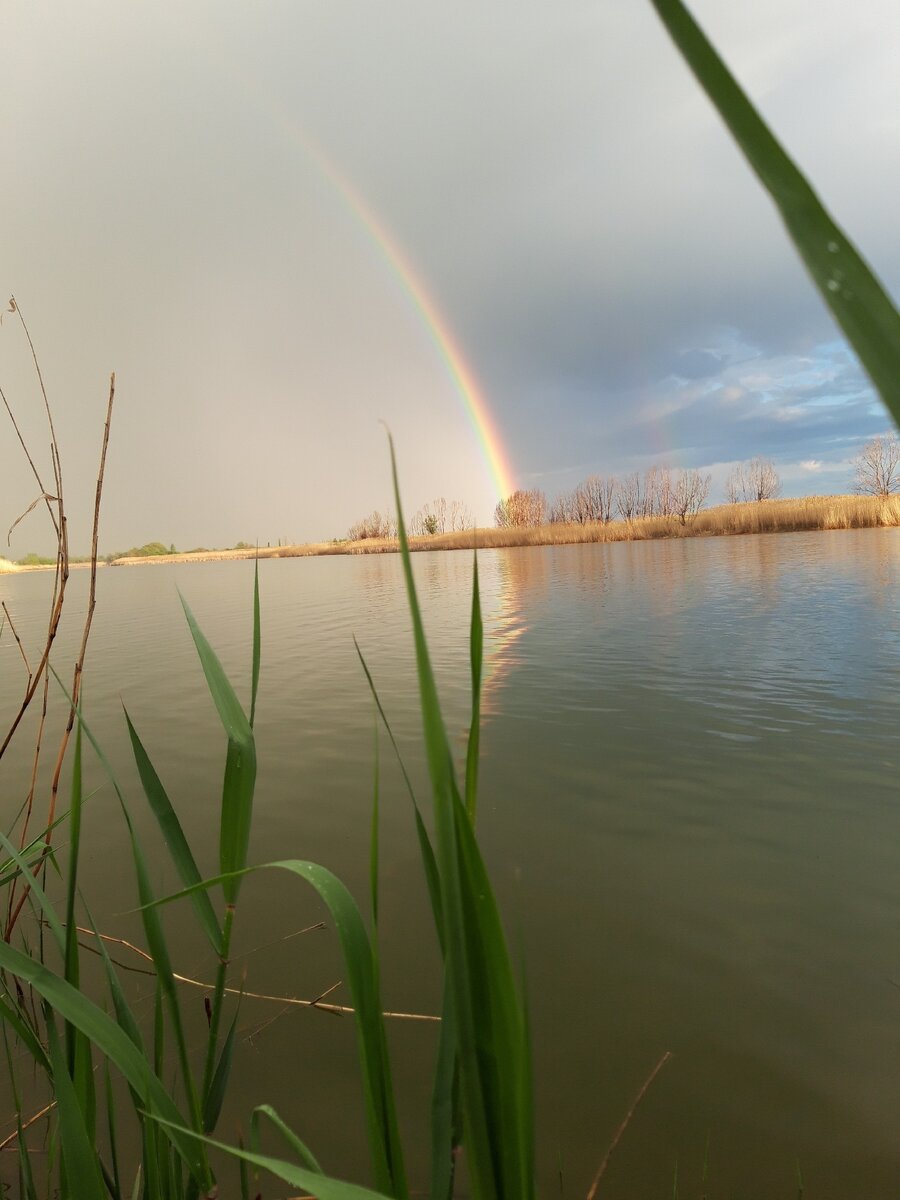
x=688, y=804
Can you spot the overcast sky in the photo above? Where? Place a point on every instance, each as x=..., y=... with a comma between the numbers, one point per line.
x=617, y=281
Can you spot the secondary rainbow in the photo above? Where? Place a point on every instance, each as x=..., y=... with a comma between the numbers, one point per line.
x=461, y=375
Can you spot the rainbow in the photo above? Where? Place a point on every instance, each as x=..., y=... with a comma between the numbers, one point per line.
x=461, y=375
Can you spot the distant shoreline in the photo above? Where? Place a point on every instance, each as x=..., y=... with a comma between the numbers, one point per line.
x=807, y=513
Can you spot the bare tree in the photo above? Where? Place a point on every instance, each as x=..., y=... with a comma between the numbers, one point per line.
x=592, y=500
x=691, y=492
x=877, y=467
x=763, y=482
x=752, y=481
x=461, y=516
x=630, y=497
x=659, y=493
x=376, y=525
x=441, y=516
x=561, y=509
x=736, y=485
x=609, y=487
x=526, y=509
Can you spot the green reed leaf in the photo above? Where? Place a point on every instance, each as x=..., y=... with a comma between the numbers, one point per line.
x=476, y=655
x=104, y=1033
x=444, y=1103
x=484, y=1003
x=240, y=764
x=300, y=1148
x=112, y=1130
x=257, y=641
x=373, y=839
x=850, y=289
x=362, y=977
x=425, y=848
x=71, y=949
x=80, y=1160
x=173, y=833
x=321, y=1186
x=38, y=894
x=11, y=1016
x=215, y=1097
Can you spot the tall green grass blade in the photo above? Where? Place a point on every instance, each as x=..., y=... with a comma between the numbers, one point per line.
x=321, y=1186
x=71, y=953
x=300, y=1148
x=373, y=842
x=846, y=283
x=499, y=1046
x=257, y=641
x=124, y=1016
x=79, y=1156
x=476, y=655
x=485, y=1006
x=240, y=763
x=362, y=977
x=38, y=894
x=444, y=1103
x=78, y=1049
x=26, y=1178
x=10, y=1016
x=244, y=1174
x=159, y=952
x=173, y=833
x=105, y=1034
x=215, y=1096
x=112, y=1131
x=429, y=861
x=27, y=1182
x=9, y=871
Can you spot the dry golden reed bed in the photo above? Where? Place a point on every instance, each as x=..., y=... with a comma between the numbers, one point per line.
x=766, y=516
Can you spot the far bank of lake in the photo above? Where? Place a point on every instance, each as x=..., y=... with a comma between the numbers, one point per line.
x=767, y=516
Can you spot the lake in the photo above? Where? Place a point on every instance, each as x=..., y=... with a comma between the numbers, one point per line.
x=688, y=804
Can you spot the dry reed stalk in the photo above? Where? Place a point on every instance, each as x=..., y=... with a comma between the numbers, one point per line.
x=289, y=1001
x=40, y=675
x=617, y=1136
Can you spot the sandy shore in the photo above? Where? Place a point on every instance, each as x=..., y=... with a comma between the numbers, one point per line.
x=313, y=548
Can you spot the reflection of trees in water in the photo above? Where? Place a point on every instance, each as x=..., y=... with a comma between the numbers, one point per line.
x=513, y=575
x=871, y=557
x=755, y=569
x=523, y=581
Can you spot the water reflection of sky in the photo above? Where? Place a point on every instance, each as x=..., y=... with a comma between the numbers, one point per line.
x=788, y=629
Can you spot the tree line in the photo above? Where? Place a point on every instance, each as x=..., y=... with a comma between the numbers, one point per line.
x=599, y=499
x=659, y=491
x=437, y=516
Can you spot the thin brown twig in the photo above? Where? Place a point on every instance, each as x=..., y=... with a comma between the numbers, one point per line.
x=54, y=444
x=15, y=634
x=14, y=1136
x=92, y=603
x=31, y=507
x=617, y=1137
x=338, y=1009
